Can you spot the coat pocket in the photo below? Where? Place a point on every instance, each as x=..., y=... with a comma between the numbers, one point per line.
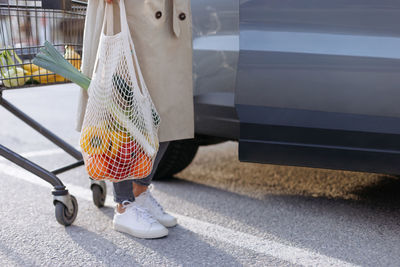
x=181, y=15
x=156, y=10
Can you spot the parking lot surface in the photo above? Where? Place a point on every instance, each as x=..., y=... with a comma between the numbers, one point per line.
x=230, y=213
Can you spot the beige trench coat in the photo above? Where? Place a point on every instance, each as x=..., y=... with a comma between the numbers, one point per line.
x=162, y=35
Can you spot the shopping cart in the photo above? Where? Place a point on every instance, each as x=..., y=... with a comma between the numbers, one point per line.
x=24, y=26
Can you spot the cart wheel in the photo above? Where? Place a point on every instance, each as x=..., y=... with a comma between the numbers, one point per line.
x=63, y=216
x=99, y=196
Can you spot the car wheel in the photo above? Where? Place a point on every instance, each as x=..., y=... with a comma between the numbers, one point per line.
x=178, y=156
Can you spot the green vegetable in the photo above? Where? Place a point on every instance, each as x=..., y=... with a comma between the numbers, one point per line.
x=124, y=90
x=12, y=75
x=50, y=59
x=126, y=93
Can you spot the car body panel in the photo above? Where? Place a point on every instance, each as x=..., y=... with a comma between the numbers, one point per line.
x=215, y=45
x=335, y=56
x=215, y=59
x=316, y=81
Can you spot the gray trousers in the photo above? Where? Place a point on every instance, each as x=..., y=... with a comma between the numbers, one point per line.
x=123, y=191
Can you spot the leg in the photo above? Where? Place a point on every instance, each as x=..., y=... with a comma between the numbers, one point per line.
x=123, y=191
x=138, y=221
x=161, y=151
x=126, y=191
x=140, y=185
x=145, y=199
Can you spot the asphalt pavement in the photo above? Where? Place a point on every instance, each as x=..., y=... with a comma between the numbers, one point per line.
x=229, y=213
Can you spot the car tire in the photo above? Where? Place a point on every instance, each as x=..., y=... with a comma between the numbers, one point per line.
x=178, y=156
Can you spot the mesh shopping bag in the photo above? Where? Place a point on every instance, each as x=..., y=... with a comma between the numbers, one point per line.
x=119, y=134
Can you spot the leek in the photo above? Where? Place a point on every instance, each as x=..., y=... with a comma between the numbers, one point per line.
x=49, y=58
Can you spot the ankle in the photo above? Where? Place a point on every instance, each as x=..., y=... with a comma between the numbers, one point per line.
x=120, y=208
x=138, y=189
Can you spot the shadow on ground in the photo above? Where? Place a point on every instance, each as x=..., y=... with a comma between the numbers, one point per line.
x=181, y=246
x=99, y=247
x=383, y=193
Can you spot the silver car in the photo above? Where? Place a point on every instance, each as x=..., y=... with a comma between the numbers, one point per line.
x=307, y=83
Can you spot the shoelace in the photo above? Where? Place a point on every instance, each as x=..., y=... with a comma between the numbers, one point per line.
x=140, y=212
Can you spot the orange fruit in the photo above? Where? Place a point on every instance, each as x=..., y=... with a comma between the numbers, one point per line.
x=97, y=166
x=142, y=167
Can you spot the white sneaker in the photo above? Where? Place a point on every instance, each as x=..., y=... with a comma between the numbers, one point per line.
x=147, y=201
x=138, y=222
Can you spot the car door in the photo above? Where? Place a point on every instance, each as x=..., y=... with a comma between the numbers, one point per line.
x=215, y=57
x=318, y=83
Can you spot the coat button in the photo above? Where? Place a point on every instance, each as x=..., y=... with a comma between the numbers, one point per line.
x=158, y=14
x=182, y=16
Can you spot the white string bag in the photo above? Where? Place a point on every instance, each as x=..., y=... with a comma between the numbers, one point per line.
x=119, y=134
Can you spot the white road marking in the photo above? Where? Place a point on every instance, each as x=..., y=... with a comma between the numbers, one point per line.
x=41, y=153
x=272, y=248
x=78, y=191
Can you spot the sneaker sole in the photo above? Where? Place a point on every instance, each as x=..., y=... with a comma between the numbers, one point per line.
x=155, y=234
x=168, y=224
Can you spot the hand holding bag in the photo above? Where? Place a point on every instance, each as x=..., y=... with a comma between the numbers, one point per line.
x=119, y=137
